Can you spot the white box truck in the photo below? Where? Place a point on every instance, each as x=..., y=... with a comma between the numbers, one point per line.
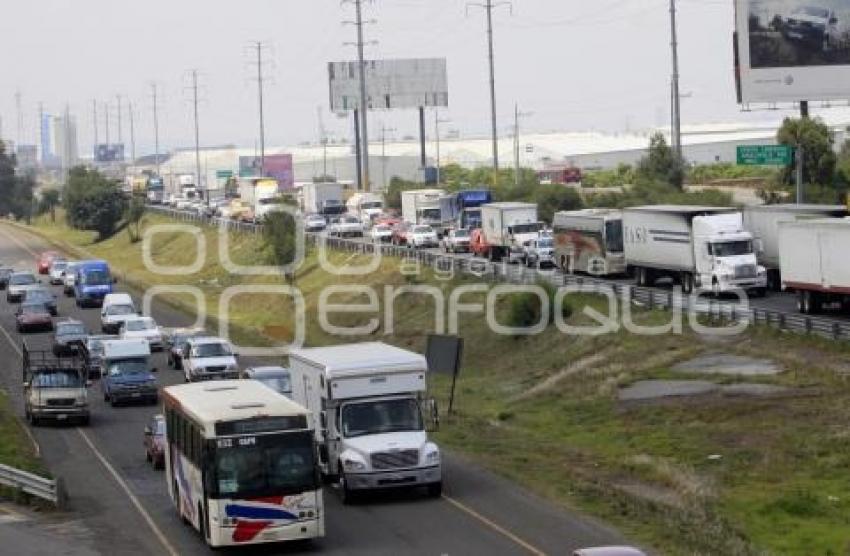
x=323, y=198
x=705, y=247
x=813, y=261
x=763, y=222
x=505, y=228
x=431, y=207
x=261, y=194
x=365, y=206
x=370, y=409
x=589, y=240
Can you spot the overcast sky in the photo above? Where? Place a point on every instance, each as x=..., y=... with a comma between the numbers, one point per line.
x=576, y=64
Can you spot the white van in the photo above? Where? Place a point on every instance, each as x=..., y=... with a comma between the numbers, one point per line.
x=117, y=308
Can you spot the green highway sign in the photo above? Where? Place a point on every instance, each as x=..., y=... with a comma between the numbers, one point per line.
x=224, y=174
x=765, y=155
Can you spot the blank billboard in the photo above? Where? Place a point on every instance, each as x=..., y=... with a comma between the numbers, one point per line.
x=792, y=50
x=390, y=84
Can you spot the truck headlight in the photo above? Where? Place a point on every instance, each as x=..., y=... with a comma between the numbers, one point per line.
x=81, y=400
x=433, y=456
x=353, y=465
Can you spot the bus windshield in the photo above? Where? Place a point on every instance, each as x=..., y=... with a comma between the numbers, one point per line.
x=263, y=465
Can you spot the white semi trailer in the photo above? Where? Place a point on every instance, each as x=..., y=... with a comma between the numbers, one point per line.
x=704, y=247
x=763, y=222
x=814, y=263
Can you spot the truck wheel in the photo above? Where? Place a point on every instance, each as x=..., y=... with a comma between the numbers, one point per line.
x=435, y=490
x=687, y=283
x=346, y=495
x=804, y=302
x=640, y=277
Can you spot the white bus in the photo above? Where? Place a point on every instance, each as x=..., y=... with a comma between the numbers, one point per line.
x=241, y=463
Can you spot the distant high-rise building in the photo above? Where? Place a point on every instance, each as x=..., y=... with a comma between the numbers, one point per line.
x=64, y=143
x=47, y=159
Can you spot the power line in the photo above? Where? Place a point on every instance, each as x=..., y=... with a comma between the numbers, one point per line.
x=259, y=47
x=194, y=87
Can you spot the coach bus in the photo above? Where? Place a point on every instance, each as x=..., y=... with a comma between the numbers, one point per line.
x=241, y=463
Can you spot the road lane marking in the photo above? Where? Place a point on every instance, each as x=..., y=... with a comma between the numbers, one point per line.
x=118, y=479
x=159, y=534
x=494, y=526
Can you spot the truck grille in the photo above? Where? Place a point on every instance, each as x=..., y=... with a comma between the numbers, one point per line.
x=60, y=402
x=395, y=460
x=219, y=369
x=745, y=271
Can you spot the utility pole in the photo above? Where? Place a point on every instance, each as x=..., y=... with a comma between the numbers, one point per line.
x=384, y=130
x=517, y=116
x=676, y=124
x=106, y=115
x=364, y=101
x=800, y=159
x=94, y=126
x=120, y=135
x=323, y=139
x=489, y=6
x=155, y=129
x=42, y=140
x=197, y=135
x=437, y=122
x=132, y=131
x=259, y=46
x=19, y=108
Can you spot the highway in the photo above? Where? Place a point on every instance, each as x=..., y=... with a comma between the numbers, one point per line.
x=124, y=503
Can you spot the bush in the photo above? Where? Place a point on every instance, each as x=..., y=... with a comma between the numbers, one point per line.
x=524, y=309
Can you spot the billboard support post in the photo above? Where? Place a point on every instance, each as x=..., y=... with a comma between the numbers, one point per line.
x=422, y=156
x=804, y=108
x=358, y=159
x=799, y=173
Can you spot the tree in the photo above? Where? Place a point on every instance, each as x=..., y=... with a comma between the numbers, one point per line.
x=661, y=163
x=16, y=191
x=133, y=217
x=280, y=238
x=554, y=197
x=819, y=159
x=93, y=202
x=48, y=201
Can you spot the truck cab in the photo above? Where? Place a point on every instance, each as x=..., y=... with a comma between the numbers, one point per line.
x=372, y=416
x=127, y=374
x=55, y=387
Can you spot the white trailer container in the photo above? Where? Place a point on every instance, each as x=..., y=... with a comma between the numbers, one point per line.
x=368, y=402
x=505, y=227
x=323, y=198
x=590, y=240
x=763, y=222
x=705, y=247
x=813, y=261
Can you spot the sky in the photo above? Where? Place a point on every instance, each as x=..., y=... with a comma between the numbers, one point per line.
x=574, y=65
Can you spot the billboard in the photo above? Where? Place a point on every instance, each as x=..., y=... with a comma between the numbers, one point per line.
x=390, y=84
x=113, y=152
x=279, y=167
x=792, y=50
x=249, y=167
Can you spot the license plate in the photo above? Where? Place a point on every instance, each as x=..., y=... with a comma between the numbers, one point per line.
x=136, y=395
x=61, y=416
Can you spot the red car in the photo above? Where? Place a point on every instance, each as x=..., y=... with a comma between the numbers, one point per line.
x=400, y=233
x=34, y=315
x=155, y=442
x=478, y=244
x=44, y=261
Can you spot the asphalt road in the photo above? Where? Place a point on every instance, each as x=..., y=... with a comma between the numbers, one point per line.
x=123, y=505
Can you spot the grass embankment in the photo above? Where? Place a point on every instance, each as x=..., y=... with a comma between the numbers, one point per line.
x=16, y=448
x=707, y=475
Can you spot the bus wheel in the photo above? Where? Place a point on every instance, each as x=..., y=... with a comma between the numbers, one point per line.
x=205, y=526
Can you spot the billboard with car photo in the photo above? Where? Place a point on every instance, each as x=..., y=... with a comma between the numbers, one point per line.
x=792, y=50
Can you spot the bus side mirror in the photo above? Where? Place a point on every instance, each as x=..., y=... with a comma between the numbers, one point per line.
x=148, y=431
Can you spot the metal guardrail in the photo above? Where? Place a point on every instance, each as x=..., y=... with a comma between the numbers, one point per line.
x=714, y=309
x=34, y=485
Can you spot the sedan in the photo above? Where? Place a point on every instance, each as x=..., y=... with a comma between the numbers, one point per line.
x=142, y=327
x=5, y=273
x=69, y=279
x=44, y=261
x=42, y=295
x=381, y=233
x=176, y=342
x=69, y=337
x=57, y=271
x=155, y=442
x=33, y=316
x=422, y=236
x=314, y=223
x=18, y=282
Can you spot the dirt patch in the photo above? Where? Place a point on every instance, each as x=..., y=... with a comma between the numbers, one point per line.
x=734, y=365
x=549, y=383
x=659, y=389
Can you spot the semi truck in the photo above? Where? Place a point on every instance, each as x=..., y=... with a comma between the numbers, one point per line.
x=365, y=206
x=371, y=415
x=430, y=207
x=323, y=198
x=763, y=222
x=813, y=262
x=261, y=194
x=155, y=191
x=505, y=229
x=705, y=247
x=469, y=203
x=590, y=241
